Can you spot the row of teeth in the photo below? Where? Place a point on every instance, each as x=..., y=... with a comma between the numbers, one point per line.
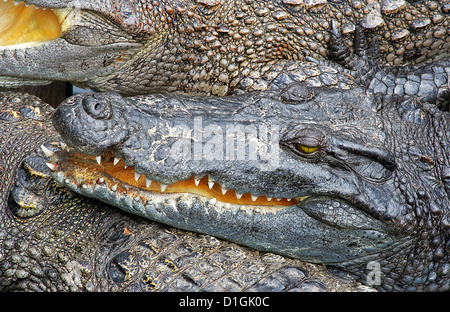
x=26, y=4
x=167, y=202
x=149, y=182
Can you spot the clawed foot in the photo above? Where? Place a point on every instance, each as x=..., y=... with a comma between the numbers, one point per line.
x=363, y=61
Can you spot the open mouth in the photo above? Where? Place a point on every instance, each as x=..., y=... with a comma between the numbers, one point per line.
x=293, y=227
x=21, y=23
x=84, y=171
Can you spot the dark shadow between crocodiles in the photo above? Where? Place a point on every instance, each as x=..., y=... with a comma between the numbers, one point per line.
x=359, y=178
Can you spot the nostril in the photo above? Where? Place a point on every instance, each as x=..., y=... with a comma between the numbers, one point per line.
x=97, y=108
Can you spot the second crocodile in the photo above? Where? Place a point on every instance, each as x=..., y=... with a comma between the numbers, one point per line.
x=203, y=47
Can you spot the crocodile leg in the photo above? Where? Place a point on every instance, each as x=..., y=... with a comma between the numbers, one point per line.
x=428, y=82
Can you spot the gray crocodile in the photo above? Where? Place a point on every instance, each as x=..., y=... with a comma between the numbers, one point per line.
x=330, y=176
x=55, y=240
x=204, y=47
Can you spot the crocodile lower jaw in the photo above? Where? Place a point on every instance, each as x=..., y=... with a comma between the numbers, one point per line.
x=78, y=171
x=27, y=25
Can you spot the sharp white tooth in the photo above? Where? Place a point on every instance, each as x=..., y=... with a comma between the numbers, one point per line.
x=279, y=199
x=148, y=182
x=99, y=159
x=196, y=181
x=289, y=199
x=46, y=151
x=235, y=209
x=210, y=182
x=269, y=198
x=238, y=196
x=224, y=191
x=125, y=166
x=101, y=180
x=114, y=188
x=116, y=160
x=254, y=198
x=163, y=187
x=213, y=201
x=52, y=166
x=136, y=176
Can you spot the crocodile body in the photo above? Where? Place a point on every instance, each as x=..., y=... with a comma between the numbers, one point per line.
x=215, y=47
x=55, y=240
x=345, y=177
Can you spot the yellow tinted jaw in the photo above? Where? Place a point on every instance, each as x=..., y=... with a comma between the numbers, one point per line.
x=20, y=23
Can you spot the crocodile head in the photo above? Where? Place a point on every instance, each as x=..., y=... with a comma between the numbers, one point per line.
x=42, y=41
x=316, y=174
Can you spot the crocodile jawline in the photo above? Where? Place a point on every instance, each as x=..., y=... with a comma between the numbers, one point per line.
x=83, y=171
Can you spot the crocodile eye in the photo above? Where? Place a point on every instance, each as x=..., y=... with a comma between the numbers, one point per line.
x=305, y=141
x=305, y=149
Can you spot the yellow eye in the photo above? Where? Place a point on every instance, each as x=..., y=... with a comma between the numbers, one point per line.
x=307, y=149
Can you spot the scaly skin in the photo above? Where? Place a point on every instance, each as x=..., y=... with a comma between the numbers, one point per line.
x=82, y=68
x=217, y=47
x=55, y=240
x=368, y=177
